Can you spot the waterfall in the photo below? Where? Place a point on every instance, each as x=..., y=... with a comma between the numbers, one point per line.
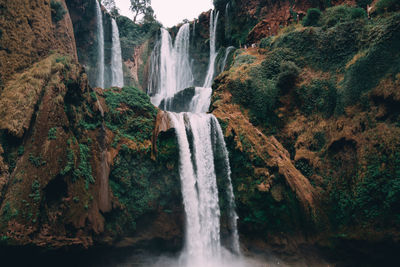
x=194, y=29
x=227, y=52
x=117, y=76
x=100, y=46
x=170, y=65
x=199, y=137
x=227, y=21
x=213, y=54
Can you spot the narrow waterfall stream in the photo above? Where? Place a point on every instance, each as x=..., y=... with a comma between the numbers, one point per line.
x=117, y=76
x=100, y=46
x=213, y=54
x=199, y=136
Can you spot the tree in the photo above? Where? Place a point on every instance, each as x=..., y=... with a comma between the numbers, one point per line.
x=142, y=7
x=111, y=7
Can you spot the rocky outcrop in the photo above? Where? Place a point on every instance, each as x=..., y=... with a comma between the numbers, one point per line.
x=31, y=35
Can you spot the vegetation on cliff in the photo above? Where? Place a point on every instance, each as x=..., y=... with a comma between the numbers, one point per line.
x=327, y=93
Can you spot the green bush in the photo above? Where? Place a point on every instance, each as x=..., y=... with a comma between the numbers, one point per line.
x=266, y=42
x=288, y=76
x=319, y=96
x=244, y=59
x=363, y=3
x=380, y=59
x=57, y=10
x=387, y=6
x=340, y=14
x=312, y=17
x=136, y=120
x=52, y=134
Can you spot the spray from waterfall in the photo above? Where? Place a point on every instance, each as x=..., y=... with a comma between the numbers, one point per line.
x=100, y=46
x=117, y=76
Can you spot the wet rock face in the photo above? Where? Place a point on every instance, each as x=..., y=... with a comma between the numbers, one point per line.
x=55, y=190
x=28, y=34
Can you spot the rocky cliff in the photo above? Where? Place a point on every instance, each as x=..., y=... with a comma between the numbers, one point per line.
x=319, y=165
x=310, y=117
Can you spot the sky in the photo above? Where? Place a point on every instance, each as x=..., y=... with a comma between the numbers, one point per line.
x=171, y=12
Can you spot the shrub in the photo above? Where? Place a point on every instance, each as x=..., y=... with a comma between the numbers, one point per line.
x=244, y=59
x=363, y=3
x=266, y=42
x=52, y=134
x=288, y=76
x=319, y=96
x=57, y=10
x=340, y=14
x=312, y=17
x=387, y=6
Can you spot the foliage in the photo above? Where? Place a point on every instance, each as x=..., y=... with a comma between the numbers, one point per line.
x=363, y=3
x=111, y=7
x=373, y=196
x=387, y=6
x=142, y=7
x=331, y=48
x=266, y=42
x=131, y=113
x=379, y=59
x=318, y=97
x=35, y=195
x=339, y=14
x=136, y=180
x=84, y=169
x=52, y=134
x=57, y=10
x=36, y=161
x=287, y=76
x=312, y=17
x=133, y=35
x=244, y=59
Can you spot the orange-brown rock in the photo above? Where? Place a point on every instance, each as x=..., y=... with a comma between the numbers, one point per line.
x=28, y=34
x=275, y=15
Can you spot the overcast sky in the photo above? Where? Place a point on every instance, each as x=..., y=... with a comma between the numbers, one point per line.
x=171, y=12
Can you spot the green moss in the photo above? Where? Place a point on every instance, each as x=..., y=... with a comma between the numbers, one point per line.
x=131, y=113
x=84, y=169
x=37, y=161
x=52, y=134
x=339, y=14
x=312, y=17
x=21, y=150
x=35, y=195
x=383, y=6
x=144, y=186
x=319, y=96
x=57, y=10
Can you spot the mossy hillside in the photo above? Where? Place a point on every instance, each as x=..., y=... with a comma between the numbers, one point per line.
x=145, y=188
x=52, y=160
x=303, y=80
x=131, y=113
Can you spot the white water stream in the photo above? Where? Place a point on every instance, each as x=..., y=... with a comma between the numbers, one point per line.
x=198, y=135
x=117, y=75
x=100, y=46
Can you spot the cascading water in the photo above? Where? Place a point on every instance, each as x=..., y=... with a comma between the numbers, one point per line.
x=171, y=68
x=213, y=54
x=117, y=76
x=199, y=136
x=100, y=47
x=227, y=21
x=227, y=52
